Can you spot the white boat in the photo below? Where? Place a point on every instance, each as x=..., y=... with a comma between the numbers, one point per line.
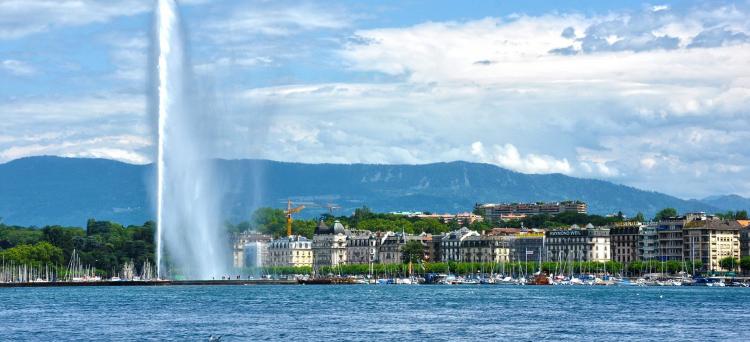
x=575, y=281
x=404, y=281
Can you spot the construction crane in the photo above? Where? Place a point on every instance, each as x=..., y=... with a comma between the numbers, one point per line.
x=289, y=211
x=331, y=207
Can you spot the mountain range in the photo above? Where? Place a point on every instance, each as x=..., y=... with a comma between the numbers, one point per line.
x=67, y=191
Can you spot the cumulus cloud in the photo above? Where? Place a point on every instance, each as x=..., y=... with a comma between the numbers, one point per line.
x=107, y=126
x=509, y=157
x=655, y=98
x=719, y=36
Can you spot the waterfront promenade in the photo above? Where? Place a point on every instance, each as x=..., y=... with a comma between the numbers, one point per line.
x=152, y=283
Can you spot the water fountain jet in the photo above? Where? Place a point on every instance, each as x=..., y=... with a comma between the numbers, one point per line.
x=187, y=205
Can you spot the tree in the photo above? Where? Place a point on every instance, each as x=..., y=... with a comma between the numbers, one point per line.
x=35, y=255
x=729, y=215
x=480, y=226
x=430, y=226
x=745, y=264
x=639, y=217
x=13, y=236
x=269, y=221
x=304, y=228
x=729, y=263
x=62, y=237
x=454, y=224
x=361, y=214
x=412, y=251
x=741, y=215
x=665, y=213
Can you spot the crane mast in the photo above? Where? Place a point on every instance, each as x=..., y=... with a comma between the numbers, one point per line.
x=289, y=211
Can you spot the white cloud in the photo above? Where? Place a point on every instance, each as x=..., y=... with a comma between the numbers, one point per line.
x=73, y=109
x=129, y=55
x=648, y=163
x=121, y=148
x=272, y=20
x=509, y=157
x=106, y=126
x=650, y=99
x=16, y=67
x=19, y=18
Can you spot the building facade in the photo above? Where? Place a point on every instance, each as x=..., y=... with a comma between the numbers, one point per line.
x=485, y=248
x=744, y=242
x=362, y=247
x=710, y=241
x=256, y=245
x=669, y=235
x=624, y=240
x=648, y=242
x=329, y=245
x=389, y=251
x=463, y=219
x=450, y=244
x=588, y=244
x=527, y=246
x=294, y=251
x=496, y=212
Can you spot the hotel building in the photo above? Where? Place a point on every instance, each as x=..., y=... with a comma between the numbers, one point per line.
x=329, y=245
x=575, y=244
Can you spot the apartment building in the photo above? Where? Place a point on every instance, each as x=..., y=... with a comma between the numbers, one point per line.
x=496, y=212
x=710, y=241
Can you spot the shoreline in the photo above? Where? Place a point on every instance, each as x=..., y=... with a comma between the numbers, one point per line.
x=150, y=283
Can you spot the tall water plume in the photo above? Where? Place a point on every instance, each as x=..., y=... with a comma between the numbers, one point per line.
x=188, y=225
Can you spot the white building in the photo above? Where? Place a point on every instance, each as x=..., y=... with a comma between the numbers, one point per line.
x=450, y=244
x=329, y=245
x=710, y=241
x=294, y=251
x=576, y=244
x=258, y=248
x=485, y=248
x=362, y=247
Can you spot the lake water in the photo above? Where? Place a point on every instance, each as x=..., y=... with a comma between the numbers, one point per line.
x=368, y=312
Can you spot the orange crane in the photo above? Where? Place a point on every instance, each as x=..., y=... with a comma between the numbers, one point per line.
x=289, y=211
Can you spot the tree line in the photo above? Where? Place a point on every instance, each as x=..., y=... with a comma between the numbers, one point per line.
x=272, y=221
x=105, y=245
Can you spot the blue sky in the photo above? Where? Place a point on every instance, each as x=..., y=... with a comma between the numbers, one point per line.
x=649, y=94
